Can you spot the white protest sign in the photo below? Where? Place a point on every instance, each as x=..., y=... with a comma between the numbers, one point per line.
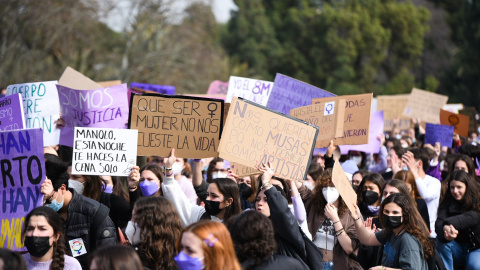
x=104, y=151
x=41, y=107
x=250, y=89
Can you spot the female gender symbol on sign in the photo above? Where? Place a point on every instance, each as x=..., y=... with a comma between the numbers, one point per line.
x=329, y=107
x=453, y=120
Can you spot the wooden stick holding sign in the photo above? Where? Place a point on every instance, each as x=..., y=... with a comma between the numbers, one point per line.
x=344, y=186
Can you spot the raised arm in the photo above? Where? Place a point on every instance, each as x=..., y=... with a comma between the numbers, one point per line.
x=197, y=176
x=366, y=237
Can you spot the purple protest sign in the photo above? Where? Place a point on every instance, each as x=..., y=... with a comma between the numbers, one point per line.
x=218, y=88
x=23, y=171
x=104, y=107
x=288, y=93
x=373, y=145
x=11, y=113
x=162, y=89
x=439, y=133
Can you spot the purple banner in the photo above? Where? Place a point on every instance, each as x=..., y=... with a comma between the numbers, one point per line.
x=11, y=113
x=439, y=133
x=162, y=89
x=373, y=145
x=23, y=171
x=288, y=93
x=102, y=108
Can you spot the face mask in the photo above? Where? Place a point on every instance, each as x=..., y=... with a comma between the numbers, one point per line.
x=444, y=175
x=356, y=159
x=56, y=205
x=185, y=262
x=216, y=175
x=392, y=222
x=404, y=145
x=245, y=190
x=405, y=168
x=398, y=136
x=37, y=246
x=330, y=194
x=212, y=207
x=355, y=188
x=414, y=140
x=383, y=198
x=133, y=233
x=149, y=188
x=176, y=168
x=370, y=197
x=108, y=189
x=76, y=185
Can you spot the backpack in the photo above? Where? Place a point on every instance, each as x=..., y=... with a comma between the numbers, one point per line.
x=435, y=262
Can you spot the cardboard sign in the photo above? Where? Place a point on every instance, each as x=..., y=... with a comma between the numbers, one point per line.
x=225, y=112
x=328, y=117
x=288, y=93
x=373, y=145
x=109, y=83
x=104, y=151
x=12, y=116
x=192, y=126
x=23, y=171
x=161, y=89
x=250, y=89
x=41, y=108
x=459, y=121
x=344, y=186
x=76, y=80
x=425, y=105
x=470, y=112
x=104, y=107
x=393, y=107
x=254, y=135
x=439, y=133
x=356, y=119
x=243, y=171
x=218, y=88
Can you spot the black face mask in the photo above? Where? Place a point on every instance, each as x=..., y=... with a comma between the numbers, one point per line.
x=37, y=246
x=370, y=197
x=392, y=222
x=355, y=188
x=212, y=208
x=245, y=190
x=444, y=175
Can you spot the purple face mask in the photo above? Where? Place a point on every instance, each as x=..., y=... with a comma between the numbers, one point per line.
x=108, y=189
x=149, y=188
x=186, y=262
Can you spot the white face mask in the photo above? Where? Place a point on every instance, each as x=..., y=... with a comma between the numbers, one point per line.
x=176, y=168
x=133, y=233
x=330, y=194
x=76, y=185
x=356, y=159
x=216, y=175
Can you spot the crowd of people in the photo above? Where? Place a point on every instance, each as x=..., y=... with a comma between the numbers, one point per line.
x=417, y=207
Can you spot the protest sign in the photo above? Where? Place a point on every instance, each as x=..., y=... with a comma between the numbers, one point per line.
x=250, y=89
x=161, y=89
x=41, y=107
x=254, y=135
x=328, y=117
x=225, y=112
x=425, y=105
x=23, y=171
x=288, y=93
x=104, y=107
x=439, y=133
x=393, y=107
x=243, y=171
x=459, y=121
x=356, y=119
x=344, y=187
x=12, y=116
x=470, y=112
x=453, y=107
x=109, y=83
x=76, y=80
x=218, y=88
x=104, y=151
x=373, y=145
x=191, y=125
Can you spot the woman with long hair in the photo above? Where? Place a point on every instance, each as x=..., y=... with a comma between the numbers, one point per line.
x=45, y=242
x=405, y=236
x=115, y=258
x=153, y=231
x=460, y=162
x=206, y=245
x=458, y=222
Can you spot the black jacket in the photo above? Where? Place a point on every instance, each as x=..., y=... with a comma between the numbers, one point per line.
x=274, y=262
x=83, y=221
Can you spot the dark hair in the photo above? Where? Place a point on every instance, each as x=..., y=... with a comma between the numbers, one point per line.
x=408, y=178
x=156, y=170
x=56, y=170
x=363, y=173
x=451, y=169
x=395, y=141
x=211, y=166
x=253, y=236
x=412, y=220
x=119, y=188
x=187, y=171
x=160, y=228
x=399, y=151
x=253, y=186
x=229, y=189
x=319, y=201
x=11, y=260
x=56, y=222
x=94, y=186
x=420, y=154
x=470, y=150
x=471, y=198
x=116, y=257
x=376, y=179
x=363, y=164
x=402, y=188
x=315, y=170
